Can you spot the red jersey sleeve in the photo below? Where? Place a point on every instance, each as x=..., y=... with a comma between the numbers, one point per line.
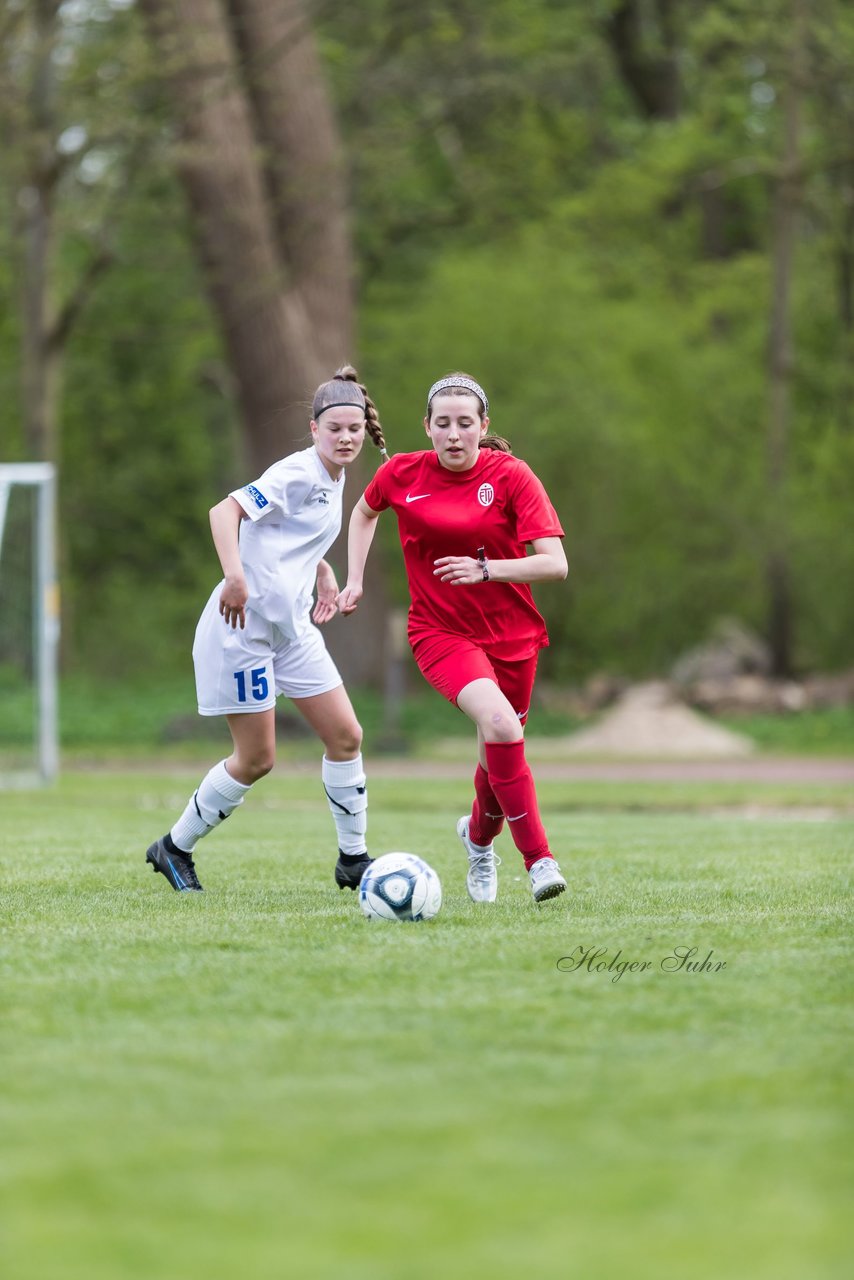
x=377, y=493
x=535, y=515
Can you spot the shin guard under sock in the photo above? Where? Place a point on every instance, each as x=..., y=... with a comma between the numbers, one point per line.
x=487, y=818
x=511, y=780
x=347, y=792
x=218, y=795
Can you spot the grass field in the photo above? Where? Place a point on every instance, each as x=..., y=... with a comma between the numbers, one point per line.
x=258, y=1083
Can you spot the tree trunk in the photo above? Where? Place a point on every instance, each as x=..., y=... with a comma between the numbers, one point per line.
x=787, y=199
x=647, y=62
x=845, y=277
x=845, y=263
x=39, y=356
x=265, y=325
x=302, y=164
x=261, y=165
x=39, y=359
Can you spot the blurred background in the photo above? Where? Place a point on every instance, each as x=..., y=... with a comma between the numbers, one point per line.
x=631, y=220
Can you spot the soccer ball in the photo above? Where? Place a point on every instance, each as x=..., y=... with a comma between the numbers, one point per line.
x=399, y=886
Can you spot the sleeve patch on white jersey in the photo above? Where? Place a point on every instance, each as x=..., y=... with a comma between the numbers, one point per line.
x=257, y=496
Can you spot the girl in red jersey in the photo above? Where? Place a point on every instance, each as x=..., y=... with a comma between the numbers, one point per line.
x=466, y=511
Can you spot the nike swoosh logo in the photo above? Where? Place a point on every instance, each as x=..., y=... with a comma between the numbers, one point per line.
x=413, y=497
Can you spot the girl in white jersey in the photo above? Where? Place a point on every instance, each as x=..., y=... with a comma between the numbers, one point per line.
x=256, y=639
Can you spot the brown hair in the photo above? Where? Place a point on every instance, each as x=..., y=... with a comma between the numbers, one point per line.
x=489, y=441
x=372, y=419
x=328, y=395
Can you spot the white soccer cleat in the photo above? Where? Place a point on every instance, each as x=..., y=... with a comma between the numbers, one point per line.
x=482, y=878
x=546, y=880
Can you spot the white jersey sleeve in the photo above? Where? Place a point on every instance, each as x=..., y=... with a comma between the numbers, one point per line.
x=280, y=491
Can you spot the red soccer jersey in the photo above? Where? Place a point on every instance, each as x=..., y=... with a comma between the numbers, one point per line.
x=499, y=505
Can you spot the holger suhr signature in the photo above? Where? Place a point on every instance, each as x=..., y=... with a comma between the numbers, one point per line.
x=678, y=960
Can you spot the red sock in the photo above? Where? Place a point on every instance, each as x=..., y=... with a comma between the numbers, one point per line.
x=487, y=817
x=513, y=785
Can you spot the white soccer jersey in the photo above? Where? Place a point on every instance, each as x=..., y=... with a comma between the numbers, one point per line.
x=294, y=512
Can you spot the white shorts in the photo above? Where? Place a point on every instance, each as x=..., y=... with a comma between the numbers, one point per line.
x=246, y=670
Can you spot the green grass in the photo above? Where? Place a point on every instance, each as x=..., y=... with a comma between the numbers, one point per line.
x=136, y=716
x=257, y=1082
x=828, y=731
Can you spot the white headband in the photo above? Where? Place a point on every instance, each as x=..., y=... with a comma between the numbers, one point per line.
x=468, y=383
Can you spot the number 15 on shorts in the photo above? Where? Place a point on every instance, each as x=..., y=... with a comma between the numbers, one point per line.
x=258, y=688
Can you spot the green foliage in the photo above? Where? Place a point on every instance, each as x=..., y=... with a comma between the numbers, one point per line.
x=148, y=444
x=604, y=272
x=462, y=119
x=633, y=384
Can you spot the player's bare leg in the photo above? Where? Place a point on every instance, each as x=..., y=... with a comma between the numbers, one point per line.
x=503, y=744
x=333, y=719
x=254, y=738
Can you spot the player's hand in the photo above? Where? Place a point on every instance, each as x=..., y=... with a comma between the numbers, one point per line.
x=460, y=571
x=349, y=599
x=232, y=602
x=327, y=598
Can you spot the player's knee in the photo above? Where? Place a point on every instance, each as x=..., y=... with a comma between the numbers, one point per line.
x=346, y=741
x=259, y=763
x=501, y=727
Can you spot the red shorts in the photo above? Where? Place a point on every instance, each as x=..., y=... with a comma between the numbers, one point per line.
x=449, y=663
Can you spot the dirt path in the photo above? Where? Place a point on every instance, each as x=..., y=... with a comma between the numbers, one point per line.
x=453, y=764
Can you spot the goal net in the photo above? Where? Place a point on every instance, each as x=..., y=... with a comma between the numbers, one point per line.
x=29, y=625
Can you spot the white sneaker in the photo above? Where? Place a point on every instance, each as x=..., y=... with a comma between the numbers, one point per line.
x=546, y=880
x=482, y=878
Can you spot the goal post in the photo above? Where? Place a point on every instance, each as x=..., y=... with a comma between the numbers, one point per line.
x=29, y=624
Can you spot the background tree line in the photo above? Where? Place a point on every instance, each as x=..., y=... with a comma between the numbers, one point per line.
x=633, y=220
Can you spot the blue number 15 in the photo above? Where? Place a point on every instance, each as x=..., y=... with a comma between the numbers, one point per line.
x=260, y=688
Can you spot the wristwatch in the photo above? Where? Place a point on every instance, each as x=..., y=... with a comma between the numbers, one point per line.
x=481, y=559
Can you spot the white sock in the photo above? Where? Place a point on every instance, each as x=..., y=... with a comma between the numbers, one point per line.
x=218, y=795
x=346, y=790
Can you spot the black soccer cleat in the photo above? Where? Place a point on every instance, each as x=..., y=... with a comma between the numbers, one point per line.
x=178, y=867
x=349, y=871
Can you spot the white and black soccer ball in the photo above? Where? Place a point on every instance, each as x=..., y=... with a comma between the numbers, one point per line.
x=400, y=886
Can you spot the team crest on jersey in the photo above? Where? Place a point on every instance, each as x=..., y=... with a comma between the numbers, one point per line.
x=485, y=495
x=257, y=496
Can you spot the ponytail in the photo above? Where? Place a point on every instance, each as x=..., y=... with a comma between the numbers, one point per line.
x=372, y=419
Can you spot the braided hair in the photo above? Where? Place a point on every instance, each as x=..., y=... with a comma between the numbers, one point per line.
x=347, y=374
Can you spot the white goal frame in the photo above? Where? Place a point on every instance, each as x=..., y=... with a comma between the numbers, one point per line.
x=42, y=477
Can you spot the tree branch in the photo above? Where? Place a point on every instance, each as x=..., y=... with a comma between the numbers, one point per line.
x=65, y=321
x=748, y=167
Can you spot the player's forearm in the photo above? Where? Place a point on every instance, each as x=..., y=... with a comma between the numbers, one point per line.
x=225, y=520
x=359, y=539
x=540, y=567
